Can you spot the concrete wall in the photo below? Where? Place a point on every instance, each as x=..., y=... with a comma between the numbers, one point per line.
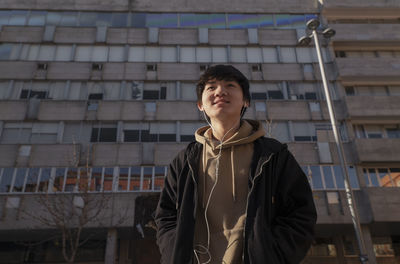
x=62, y=110
x=382, y=107
x=13, y=110
x=21, y=34
x=170, y=6
x=368, y=70
x=377, y=150
x=365, y=33
x=385, y=203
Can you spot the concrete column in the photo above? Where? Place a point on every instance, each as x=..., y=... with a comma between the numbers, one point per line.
x=111, y=246
x=369, y=247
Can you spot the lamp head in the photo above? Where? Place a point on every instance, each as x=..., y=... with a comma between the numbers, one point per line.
x=304, y=41
x=313, y=24
x=328, y=33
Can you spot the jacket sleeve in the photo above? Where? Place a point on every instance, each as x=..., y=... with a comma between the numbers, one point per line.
x=166, y=214
x=292, y=229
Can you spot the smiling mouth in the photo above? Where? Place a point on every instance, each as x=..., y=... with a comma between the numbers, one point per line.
x=220, y=101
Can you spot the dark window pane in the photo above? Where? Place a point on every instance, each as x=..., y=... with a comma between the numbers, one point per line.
x=108, y=135
x=95, y=96
x=316, y=177
x=103, y=19
x=328, y=177
x=44, y=179
x=349, y=90
x=87, y=19
x=138, y=20
x=5, y=50
x=311, y=96
x=53, y=18
x=147, y=137
x=275, y=95
x=6, y=179
x=4, y=17
x=131, y=135
x=24, y=94
x=163, y=92
x=339, y=176
x=37, y=18
x=31, y=182
x=38, y=94
x=302, y=138
x=119, y=19
x=19, y=180
x=187, y=138
x=167, y=137
x=147, y=178
x=150, y=94
x=353, y=177
x=69, y=19
x=163, y=20
x=393, y=133
x=135, y=178
x=259, y=96
x=108, y=179
x=59, y=180
x=95, y=135
x=373, y=178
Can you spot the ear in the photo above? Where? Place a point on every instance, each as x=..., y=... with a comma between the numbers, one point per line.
x=200, y=106
x=246, y=104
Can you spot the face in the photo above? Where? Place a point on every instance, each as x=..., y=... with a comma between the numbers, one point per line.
x=222, y=100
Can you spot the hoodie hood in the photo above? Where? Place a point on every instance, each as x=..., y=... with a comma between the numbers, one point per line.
x=249, y=131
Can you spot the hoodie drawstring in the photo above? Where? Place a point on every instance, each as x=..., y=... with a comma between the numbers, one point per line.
x=233, y=176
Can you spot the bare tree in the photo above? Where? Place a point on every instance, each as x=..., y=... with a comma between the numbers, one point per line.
x=71, y=212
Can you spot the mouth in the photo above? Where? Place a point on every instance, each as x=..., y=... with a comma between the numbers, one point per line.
x=220, y=102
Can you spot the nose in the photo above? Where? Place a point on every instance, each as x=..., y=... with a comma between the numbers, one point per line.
x=220, y=90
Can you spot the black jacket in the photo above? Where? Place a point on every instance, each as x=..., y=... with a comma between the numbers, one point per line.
x=280, y=209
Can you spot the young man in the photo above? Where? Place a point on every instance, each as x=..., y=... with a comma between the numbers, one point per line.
x=233, y=196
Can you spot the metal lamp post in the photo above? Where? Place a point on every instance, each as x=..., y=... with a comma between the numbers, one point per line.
x=312, y=25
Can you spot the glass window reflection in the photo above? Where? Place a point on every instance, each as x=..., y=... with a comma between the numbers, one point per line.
x=329, y=181
x=316, y=177
x=353, y=177
x=69, y=19
x=242, y=21
x=18, y=18
x=337, y=170
x=37, y=18
x=4, y=17
x=5, y=181
x=20, y=180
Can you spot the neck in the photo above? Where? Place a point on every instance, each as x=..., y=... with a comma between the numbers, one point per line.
x=222, y=130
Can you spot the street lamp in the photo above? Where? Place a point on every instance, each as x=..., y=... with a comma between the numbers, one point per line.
x=312, y=25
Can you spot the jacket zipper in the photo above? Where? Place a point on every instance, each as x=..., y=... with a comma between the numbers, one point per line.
x=248, y=196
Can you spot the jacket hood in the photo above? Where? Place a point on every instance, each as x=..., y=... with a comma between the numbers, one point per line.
x=249, y=131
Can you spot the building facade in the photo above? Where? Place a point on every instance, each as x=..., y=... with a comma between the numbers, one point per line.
x=96, y=98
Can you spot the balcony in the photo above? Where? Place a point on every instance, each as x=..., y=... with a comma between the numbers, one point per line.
x=372, y=107
x=353, y=9
x=377, y=150
x=370, y=71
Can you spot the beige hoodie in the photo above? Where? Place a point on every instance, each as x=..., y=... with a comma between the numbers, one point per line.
x=226, y=210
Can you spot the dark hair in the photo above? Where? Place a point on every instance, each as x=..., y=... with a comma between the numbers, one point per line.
x=226, y=73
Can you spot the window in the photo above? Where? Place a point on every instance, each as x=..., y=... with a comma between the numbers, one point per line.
x=111, y=90
x=258, y=91
x=278, y=130
x=288, y=55
x=44, y=133
x=5, y=51
x=382, y=177
x=152, y=54
x=46, y=53
x=4, y=89
x=136, y=54
x=238, y=54
x=323, y=247
x=104, y=133
x=270, y=55
x=134, y=91
x=329, y=177
x=188, y=54
x=254, y=55
x=154, y=91
x=219, y=54
x=304, y=131
x=274, y=91
x=16, y=133
x=304, y=55
x=188, y=129
x=63, y=53
x=303, y=91
x=38, y=90
x=6, y=175
x=188, y=91
x=117, y=54
x=203, y=54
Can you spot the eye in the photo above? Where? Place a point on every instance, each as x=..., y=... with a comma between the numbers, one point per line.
x=210, y=88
